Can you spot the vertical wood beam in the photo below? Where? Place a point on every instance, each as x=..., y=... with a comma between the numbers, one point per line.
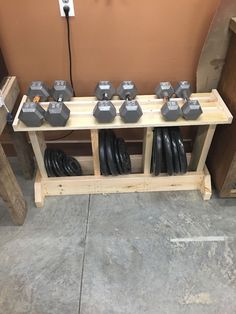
x=95, y=151
x=39, y=146
x=201, y=147
x=147, y=150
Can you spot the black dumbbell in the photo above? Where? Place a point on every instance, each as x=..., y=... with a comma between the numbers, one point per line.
x=170, y=110
x=58, y=113
x=191, y=109
x=130, y=110
x=104, y=111
x=32, y=114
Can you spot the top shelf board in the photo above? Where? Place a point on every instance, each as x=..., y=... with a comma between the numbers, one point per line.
x=214, y=109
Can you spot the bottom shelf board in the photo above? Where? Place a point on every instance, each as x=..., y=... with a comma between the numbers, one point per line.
x=121, y=184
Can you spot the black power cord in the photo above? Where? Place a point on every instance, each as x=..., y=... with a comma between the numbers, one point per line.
x=66, y=9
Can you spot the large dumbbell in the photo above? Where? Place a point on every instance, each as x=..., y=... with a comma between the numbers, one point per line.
x=170, y=110
x=104, y=111
x=32, y=114
x=130, y=110
x=58, y=113
x=191, y=109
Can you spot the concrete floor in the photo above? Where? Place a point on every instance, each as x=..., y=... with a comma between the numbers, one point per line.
x=114, y=254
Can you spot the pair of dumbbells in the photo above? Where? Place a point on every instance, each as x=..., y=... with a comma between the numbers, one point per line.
x=105, y=111
x=191, y=110
x=57, y=114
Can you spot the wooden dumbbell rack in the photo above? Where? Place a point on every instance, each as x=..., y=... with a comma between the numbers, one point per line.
x=197, y=178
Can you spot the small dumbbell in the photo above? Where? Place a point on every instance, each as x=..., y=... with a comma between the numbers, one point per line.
x=104, y=111
x=32, y=114
x=170, y=110
x=191, y=109
x=58, y=113
x=130, y=110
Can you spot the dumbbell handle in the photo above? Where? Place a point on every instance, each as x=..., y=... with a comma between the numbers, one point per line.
x=185, y=95
x=105, y=96
x=166, y=96
x=127, y=96
x=36, y=99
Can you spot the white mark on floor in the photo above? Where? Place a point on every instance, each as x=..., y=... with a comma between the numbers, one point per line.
x=200, y=239
x=200, y=298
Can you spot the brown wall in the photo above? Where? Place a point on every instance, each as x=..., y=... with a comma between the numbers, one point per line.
x=146, y=41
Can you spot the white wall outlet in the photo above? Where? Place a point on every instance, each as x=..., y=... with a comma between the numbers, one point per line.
x=70, y=4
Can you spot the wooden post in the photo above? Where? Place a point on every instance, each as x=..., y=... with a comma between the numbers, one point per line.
x=147, y=150
x=39, y=146
x=95, y=150
x=11, y=192
x=23, y=152
x=201, y=147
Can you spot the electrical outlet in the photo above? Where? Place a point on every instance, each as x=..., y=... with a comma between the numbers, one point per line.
x=69, y=3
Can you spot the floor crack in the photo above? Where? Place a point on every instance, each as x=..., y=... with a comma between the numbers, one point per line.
x=84, y=253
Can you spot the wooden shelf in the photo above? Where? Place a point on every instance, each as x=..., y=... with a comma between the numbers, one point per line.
x=197, y=178
x=81, y=118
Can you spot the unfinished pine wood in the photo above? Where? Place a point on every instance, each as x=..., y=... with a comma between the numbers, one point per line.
x=10, y=92
x=201, y=147
x=147, y=150
x=11, y=192
x=206, y=185
x=95, y=150
x=39, y=194
x=214, y=112
x=39, y=146
x=86, y=163
x=82, y=118
x=119, y=184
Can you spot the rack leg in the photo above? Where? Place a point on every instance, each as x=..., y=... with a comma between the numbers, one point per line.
x=38, y=191
x=95, y=150
x=147, y=150
x=39, y=146
x=201, y=147
x=206, y=185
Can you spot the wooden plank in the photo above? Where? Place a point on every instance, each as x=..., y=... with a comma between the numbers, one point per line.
x=95, y=150
x=82, y=118
x=39, y=195
x=206, y=185
x=23, y=152
x=223, y=106
x=213, y=53
x=39, y=146
x=201, y=147
x=229, y=180
x=11, y=192
x=10, y=92
x=232, y=24
x=86, y=163
x=222, y=155
x=119, y=184
x=147, y=150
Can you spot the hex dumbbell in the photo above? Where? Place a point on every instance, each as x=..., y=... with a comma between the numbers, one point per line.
x=170, y=109
x=191, y=109
x=130, y=110
x=58, y=113
x=104, y=111
x=32, y=114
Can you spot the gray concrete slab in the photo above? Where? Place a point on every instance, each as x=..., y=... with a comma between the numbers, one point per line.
x=41, y=262
x=131, y=265
x=119, y=249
